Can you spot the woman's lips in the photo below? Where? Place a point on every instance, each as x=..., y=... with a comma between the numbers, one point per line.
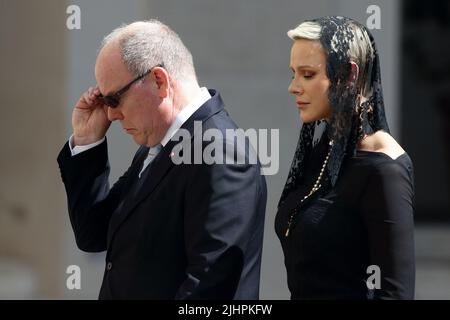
x=302, y=105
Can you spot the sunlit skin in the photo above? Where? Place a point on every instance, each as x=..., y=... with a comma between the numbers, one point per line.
x=145, y=110
x=309, y=83
x=310, y=86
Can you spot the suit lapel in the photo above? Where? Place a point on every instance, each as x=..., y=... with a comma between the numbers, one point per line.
x=160, y=166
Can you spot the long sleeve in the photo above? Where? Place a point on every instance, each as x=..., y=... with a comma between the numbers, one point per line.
x=224, y=223
x=74, y=150
x=91, y=202
x=387, y=209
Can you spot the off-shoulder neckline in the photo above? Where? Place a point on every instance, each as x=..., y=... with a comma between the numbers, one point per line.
x=385, y=155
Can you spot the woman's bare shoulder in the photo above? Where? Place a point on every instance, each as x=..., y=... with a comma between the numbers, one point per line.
x=383, y=142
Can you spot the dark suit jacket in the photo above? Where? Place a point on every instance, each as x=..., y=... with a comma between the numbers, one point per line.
x=187, y=231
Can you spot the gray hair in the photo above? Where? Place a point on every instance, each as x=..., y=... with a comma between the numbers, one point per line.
x=360, y=47
x=145, y=44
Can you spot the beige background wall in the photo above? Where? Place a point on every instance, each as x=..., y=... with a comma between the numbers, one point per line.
x=33, y=73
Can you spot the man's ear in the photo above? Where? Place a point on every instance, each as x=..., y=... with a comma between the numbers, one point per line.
x=354, y=72
x=162, y=81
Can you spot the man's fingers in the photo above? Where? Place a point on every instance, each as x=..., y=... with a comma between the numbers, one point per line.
x=89, y=97
x=85, y=99
x=91, y=93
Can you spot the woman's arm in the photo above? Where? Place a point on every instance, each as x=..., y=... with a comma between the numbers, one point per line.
x=387, y=209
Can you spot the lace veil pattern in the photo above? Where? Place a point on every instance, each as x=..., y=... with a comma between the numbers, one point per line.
x=357, y=106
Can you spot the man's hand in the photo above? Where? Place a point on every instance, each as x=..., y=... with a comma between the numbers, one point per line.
x=89, y=118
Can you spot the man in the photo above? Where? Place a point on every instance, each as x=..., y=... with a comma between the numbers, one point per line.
x=171, y=231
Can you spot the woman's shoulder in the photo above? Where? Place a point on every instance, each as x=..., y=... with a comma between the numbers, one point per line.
x=385, y=169
x=381, y=154
x=382, y=143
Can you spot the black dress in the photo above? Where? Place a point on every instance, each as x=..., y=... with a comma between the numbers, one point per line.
x=365, y=220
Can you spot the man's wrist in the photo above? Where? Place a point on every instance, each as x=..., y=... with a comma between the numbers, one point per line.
x=82, y=141
x=76, y=149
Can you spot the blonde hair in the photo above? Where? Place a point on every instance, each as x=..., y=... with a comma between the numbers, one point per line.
x=360, y=50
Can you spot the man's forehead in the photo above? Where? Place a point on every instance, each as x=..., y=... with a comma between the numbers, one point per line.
x=110, y=70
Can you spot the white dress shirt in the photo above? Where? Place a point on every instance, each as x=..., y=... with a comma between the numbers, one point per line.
x=180, y=119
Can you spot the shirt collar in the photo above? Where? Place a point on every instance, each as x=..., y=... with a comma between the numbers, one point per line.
x=185, y=113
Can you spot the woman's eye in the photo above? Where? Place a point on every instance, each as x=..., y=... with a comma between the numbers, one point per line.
x=308, y=75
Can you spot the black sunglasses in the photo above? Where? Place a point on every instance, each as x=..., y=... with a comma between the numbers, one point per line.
x=113, y=100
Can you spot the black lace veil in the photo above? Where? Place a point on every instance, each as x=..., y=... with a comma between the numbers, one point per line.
x=357, y=106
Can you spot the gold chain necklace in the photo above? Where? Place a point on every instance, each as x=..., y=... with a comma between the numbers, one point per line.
x=316, y=187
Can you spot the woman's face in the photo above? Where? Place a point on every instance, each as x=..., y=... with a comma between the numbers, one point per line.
x=310, y=82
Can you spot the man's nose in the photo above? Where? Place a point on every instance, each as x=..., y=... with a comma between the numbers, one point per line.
x=114, y=114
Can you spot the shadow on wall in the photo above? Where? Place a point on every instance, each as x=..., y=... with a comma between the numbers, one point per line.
x=426, y=104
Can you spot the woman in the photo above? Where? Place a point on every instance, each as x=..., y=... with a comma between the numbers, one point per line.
x=345, y=217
